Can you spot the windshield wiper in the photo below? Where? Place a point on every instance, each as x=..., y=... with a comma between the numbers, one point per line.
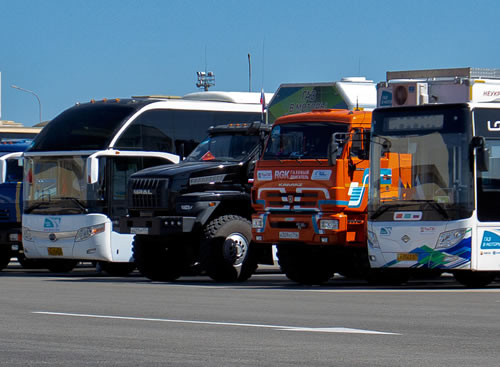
x=35, y=206
x=76, y=201
x=434, y=205
x=381, y=210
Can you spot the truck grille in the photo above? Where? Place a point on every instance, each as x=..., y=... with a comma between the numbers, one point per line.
x=147, y=192
x=291, y=200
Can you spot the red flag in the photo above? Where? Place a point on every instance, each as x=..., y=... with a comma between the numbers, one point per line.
x=263, y=100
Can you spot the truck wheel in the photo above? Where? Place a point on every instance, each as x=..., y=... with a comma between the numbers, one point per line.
x=5, y=255
x=306, y=264
x=474, y=279
x=117, y=269
x=226, y=252
x=61, y=266
x=164, y=259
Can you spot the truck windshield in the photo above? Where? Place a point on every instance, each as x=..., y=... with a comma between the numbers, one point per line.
x=304, y=140
x=424, y=163
x=56, y=185
x=224, y=147
x=83, y=127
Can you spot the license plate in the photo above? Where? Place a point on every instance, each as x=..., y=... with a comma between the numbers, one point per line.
x=55, y=251
x=289, y=235
x=407, y=257
x=139, y=230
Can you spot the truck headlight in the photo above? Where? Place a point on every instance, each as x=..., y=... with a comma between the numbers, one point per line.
x=87, y=232
x=257, y=223
x=373, y=240
x=451, y=238
x=331, y=224
x=27, y=234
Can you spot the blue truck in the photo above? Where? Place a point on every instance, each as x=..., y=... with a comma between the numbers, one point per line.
x=11, y=177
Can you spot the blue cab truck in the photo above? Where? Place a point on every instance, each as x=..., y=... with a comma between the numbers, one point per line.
x=11, y=177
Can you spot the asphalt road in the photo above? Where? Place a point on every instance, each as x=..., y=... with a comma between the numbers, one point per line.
x=88, y=319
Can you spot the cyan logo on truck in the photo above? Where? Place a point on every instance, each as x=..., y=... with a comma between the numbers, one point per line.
x=321, y=174
x=264, y=175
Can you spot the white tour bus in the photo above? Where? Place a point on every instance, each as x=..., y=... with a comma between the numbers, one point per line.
x=435, y=175
x=76, y=171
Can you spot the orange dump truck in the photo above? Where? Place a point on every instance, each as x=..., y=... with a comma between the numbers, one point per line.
x=310, y=194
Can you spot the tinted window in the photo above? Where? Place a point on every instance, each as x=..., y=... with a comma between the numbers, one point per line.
x=305, y=140
x=83, y=127
x=176, y=131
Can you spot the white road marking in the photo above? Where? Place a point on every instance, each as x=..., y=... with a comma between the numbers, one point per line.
x=218, y=323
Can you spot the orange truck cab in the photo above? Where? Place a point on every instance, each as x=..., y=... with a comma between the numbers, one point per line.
x=310, y=193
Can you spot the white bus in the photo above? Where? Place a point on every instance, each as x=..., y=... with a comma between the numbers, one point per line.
x=435, y=175
x=76, y=171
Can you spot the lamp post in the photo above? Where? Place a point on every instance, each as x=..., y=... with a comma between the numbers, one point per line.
x=36, y=95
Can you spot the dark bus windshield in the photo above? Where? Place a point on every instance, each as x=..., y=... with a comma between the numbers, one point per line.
x=84, y=127
x=304, y=140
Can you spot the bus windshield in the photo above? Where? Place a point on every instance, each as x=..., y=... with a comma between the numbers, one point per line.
x=224, y=147
x=301, y=140
x=55, y=185
x=424, y=163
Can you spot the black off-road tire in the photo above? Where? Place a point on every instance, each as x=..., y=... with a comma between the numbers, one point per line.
x=474, y=279
x=307, y=264
x=161, y=259
x=226, y=252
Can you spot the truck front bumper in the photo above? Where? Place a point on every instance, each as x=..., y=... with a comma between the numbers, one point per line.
x=304, y=228
x=156, y=226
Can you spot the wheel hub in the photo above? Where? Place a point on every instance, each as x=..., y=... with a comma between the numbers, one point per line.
x=235, y=248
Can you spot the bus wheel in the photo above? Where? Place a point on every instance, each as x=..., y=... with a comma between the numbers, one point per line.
x=162, y=259
x=474, y=279
x=61, y=266
x=5, y=255
x=226, y=252
x=117, y=269
x=306, y=264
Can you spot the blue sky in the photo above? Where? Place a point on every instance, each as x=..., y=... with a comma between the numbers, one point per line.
x=69, y=51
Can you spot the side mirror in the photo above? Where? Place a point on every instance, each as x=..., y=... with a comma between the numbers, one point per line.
x=482, y=153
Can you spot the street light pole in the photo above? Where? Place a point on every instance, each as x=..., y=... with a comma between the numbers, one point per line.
x=36, y=95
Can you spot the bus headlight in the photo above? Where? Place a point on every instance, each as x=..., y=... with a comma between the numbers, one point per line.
x=27, y=234
x=373, y=240
x=257, y=223
x=87, y=232
x=331, y=224
x=451, y=238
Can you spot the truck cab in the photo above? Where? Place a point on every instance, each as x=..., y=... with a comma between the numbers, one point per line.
x=310, y=193
x=198, y=211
